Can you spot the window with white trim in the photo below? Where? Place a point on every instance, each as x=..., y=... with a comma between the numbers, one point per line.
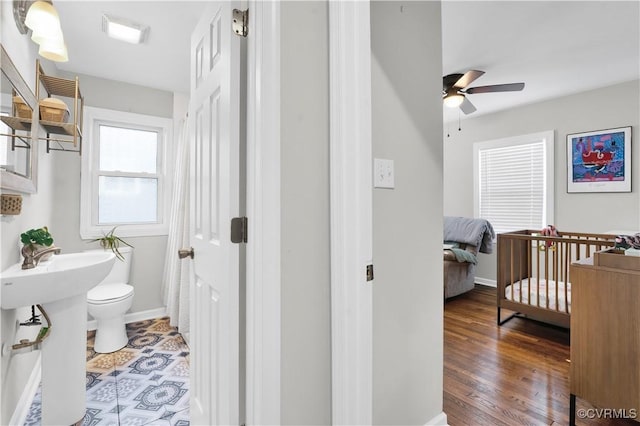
x=514, y=181
x=124, y=174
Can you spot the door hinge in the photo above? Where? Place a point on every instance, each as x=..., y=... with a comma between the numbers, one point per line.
x=369, y=272
x=239, y=229
x=241, y=22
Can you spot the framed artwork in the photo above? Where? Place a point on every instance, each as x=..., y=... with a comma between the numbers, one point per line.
x=599, y=161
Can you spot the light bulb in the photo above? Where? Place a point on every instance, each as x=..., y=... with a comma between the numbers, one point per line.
x=50, y=34
x=43, y=17
x=55, y=50
x=453, y=101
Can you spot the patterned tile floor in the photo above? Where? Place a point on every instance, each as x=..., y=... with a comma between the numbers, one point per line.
x=144, y=383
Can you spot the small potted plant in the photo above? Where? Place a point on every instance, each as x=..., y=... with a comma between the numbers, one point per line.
x=112, y=242
x=34, y=240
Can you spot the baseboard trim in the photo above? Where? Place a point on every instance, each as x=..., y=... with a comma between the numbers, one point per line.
x=28, y=393
x=486, y=281
x=134, y=317
x=439, y=420
x=186, y=337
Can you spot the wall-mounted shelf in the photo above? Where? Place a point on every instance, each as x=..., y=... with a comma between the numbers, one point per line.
x=17, y=123
x=61, y=128
x=60, y=136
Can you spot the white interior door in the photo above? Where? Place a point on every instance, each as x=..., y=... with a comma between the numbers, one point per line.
x=214, y=116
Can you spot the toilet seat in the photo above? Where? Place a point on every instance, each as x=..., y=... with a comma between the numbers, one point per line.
x=109, y=293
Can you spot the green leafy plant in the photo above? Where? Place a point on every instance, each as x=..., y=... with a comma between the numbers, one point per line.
x=33, y=237
x=112, y=242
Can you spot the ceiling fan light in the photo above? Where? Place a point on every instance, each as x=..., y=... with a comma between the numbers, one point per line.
x=453, y=100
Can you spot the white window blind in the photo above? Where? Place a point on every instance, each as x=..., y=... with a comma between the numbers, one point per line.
x=513, y=183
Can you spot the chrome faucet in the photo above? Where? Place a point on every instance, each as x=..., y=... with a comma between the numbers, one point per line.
x=32, y=256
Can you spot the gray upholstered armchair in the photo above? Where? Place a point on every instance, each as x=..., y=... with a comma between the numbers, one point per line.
x=463, y=238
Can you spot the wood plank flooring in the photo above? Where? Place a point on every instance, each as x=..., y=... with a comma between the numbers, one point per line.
x=516, y=374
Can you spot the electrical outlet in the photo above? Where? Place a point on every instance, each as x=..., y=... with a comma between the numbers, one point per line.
x=383, y=173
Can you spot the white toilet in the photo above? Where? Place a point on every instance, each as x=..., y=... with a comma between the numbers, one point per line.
x=109, y=301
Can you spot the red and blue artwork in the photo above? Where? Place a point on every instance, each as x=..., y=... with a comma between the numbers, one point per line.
x=598, y=157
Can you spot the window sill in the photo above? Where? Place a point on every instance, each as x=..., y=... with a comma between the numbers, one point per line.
x=156, y=230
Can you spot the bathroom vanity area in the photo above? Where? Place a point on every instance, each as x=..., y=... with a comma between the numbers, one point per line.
x=29, y=121
x=59, y=286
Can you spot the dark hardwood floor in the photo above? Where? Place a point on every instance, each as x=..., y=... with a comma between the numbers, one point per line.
x=516, y=374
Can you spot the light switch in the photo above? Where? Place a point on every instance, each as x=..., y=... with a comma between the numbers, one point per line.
x=383, y=173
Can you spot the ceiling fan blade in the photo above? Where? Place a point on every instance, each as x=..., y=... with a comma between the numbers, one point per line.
x=467, y=107
x=512, y=87
x=467, y=78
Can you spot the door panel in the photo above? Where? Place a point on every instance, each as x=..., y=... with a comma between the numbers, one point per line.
x=214, y=155
x=214, y=117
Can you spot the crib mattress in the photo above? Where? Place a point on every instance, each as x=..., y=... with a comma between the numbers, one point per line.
x=538, y=291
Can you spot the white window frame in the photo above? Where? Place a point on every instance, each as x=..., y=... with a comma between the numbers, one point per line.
x=547, y=137
x=94, y=118
x=5, y=112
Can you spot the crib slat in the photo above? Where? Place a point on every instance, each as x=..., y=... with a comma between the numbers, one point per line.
x=538, y=273
x=529, y=268
x=526, y=269
x=519, y=260
x=546, y=278
x=555, y=277
x=565, y=264
x=511, y=269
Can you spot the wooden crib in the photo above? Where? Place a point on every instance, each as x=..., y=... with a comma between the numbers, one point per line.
x=533, y=272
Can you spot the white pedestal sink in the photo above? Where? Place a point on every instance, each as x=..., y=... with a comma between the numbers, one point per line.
x=60, y=286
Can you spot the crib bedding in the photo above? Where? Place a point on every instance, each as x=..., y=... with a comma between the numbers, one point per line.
x=534, y=289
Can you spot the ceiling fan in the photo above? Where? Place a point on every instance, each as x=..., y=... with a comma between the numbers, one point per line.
x=454, y=89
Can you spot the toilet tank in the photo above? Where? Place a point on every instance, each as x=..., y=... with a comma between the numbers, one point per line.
x=121, y=269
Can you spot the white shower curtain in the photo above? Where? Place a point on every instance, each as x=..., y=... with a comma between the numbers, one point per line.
x=175, y=286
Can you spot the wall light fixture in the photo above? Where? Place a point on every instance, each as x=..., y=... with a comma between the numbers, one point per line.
x=42, y=19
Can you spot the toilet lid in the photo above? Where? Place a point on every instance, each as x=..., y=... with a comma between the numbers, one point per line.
x=109, y=292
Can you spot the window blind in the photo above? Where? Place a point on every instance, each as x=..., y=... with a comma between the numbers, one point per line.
x=512, y=182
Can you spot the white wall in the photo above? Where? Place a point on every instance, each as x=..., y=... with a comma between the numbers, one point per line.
x=305, y=267
x=609, y=107
x=407, y=253
x=149, y=252
x=36, y=212
x=103, y=93
x=407, y=128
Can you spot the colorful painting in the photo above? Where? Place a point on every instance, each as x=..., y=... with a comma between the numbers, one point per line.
x=599, y=161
